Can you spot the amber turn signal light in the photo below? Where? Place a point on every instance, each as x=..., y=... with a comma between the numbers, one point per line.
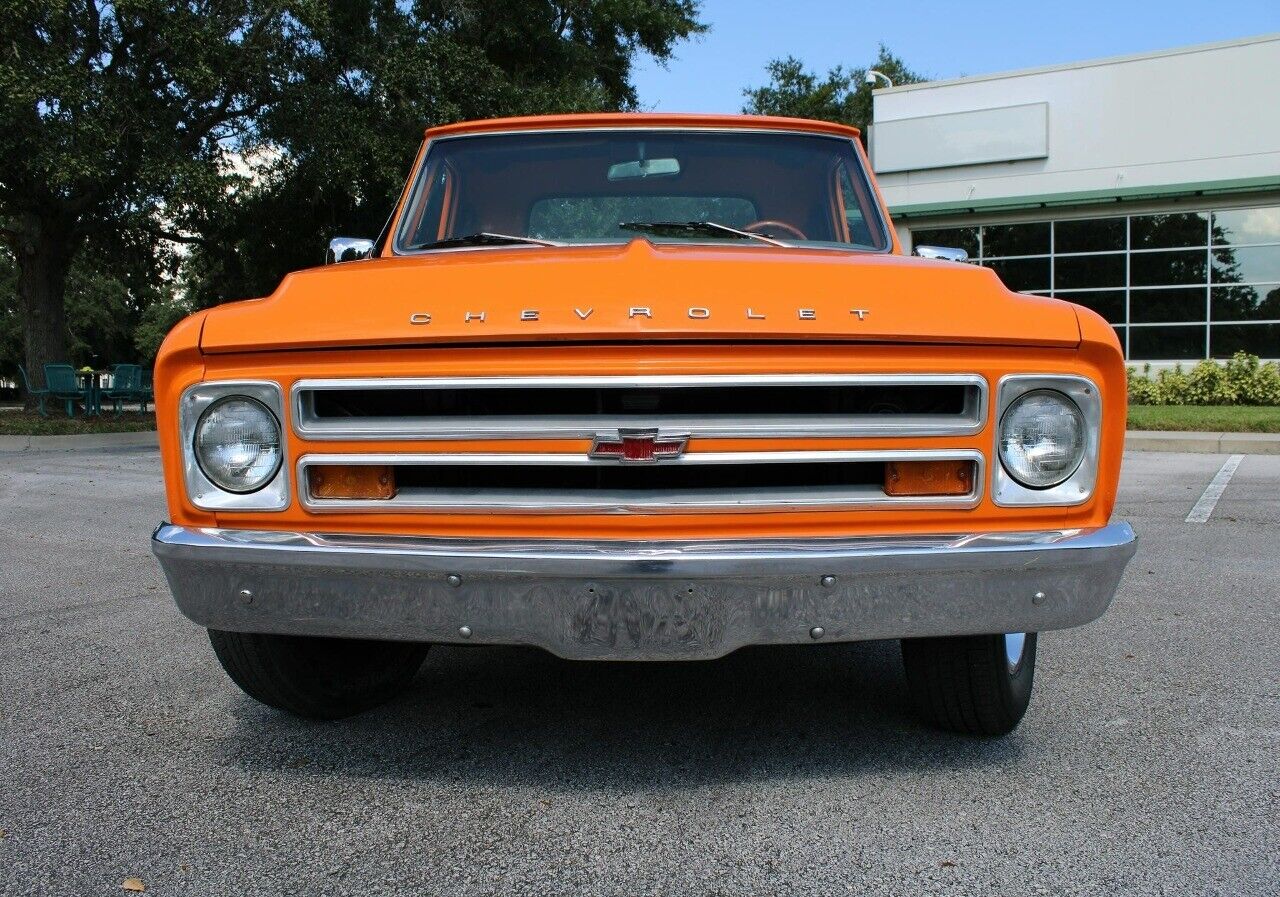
x=351, y=481
x=928, y=477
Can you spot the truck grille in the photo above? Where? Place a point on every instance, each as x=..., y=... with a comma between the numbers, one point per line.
x=643, y=442
x=786, y=405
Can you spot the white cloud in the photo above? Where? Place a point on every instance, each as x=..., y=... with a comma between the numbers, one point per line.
x=1259, y=226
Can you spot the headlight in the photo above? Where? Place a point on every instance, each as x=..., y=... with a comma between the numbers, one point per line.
x=237, y=444
x=1043, y=436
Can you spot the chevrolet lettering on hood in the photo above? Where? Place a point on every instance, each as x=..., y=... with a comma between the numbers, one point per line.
x=696, y=312
x=640, y=387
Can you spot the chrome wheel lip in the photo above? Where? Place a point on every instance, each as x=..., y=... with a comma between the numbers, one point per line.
x=1015, y=644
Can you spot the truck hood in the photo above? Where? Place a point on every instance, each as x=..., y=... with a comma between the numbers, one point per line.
x=639, y=291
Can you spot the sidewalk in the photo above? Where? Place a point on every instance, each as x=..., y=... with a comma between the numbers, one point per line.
x=80, y=442
x=1205, y=443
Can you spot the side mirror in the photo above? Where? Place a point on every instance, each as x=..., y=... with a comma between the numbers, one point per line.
x=348, y=249
x=946, y=253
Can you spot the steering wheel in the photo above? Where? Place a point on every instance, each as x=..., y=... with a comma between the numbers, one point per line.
x=764, y=224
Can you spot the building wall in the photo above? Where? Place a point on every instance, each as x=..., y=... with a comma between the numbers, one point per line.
x=1144, y=187
x=1185, y=117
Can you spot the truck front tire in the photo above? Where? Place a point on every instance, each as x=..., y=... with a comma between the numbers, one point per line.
x=317, y=678
x=974, y=684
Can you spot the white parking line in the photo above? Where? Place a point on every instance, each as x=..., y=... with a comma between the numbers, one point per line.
x=1204, y=507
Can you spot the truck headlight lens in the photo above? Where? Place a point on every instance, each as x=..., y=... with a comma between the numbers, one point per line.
x=1043, y=436
x=237, y=444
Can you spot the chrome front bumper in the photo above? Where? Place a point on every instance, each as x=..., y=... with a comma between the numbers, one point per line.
x=642, y=600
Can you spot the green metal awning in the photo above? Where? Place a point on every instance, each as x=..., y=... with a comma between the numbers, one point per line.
x=1086, y=197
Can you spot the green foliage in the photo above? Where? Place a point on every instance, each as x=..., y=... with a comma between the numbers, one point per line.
x=1242, y=380
x=117, y=115
x=157, y=320
x=372, y=75
x=110, y=294
x=842, y=96
x=251, y=132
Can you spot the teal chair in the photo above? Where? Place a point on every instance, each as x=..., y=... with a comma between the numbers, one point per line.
x=63, y=384
x=126, y=386
x=38, y=394
x=147, y=393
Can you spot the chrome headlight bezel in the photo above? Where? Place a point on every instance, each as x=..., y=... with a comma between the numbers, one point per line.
x=203, y=492
x=1077, y=488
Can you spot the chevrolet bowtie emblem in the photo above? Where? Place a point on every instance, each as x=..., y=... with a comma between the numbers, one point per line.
x=637, y=445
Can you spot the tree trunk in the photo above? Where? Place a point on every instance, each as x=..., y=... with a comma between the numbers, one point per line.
x=42, y=287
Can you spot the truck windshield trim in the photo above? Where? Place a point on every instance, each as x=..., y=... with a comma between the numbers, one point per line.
x=575, y=186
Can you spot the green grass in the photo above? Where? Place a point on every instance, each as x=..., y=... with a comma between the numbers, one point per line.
x=1211, y=418
x=30, y=423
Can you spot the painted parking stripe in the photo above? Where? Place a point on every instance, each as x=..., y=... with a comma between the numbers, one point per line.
x=1204, y=507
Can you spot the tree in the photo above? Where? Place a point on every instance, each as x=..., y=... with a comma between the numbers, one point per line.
x=374, y=75
x=111, y=110
x=842, y=96
x=250, y=128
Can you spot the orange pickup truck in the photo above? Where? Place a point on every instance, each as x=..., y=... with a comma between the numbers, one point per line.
x=640, y=387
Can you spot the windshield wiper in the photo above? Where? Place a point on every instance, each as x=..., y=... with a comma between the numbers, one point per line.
x=696, y=228
x=484, y=238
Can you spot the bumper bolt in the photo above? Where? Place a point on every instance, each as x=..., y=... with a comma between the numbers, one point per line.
x=817, y=632
x=464, y=631
x=828, y=581
x=454, y=580
x=1038, y=598
x=246, y=596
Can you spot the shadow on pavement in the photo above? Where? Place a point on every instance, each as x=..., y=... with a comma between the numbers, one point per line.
x=514, y=717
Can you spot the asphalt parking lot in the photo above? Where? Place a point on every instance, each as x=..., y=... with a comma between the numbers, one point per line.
x=1148, y=763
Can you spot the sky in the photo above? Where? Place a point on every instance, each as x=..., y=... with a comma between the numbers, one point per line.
x=939, y=40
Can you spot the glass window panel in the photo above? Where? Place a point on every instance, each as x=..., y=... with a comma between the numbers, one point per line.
x=1120, y=336
x=596, y=217
x=1158, y=269
x=1015, y=239
x=1088, y=235
x=1183, y=304
x=1166, y=343
x=1108, y=303
x=1252, y=303
x=965, y=238
x=1256, y=339
x=1168, y=231
x=1253, y=264
x=1247, y=225
x=1083, y=271
x=1022, y=274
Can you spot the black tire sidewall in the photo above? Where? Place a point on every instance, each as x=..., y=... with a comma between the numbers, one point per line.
x=964, y=684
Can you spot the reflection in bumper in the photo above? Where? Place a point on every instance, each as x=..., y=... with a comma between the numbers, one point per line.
x=642, y=600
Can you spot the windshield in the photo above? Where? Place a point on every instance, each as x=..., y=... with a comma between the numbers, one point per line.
x=574, y=187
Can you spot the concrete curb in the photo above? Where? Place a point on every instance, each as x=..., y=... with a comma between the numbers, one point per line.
x=1204, y=443
x=82, y=442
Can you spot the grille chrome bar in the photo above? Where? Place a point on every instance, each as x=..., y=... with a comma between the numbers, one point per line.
x=476, y=498
x=308, y=396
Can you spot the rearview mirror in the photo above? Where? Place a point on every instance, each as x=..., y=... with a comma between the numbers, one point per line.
x=946, y=253
x=644, y=168
x=348, y=249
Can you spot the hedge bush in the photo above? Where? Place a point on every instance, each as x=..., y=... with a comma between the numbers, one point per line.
x=1242, y=380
